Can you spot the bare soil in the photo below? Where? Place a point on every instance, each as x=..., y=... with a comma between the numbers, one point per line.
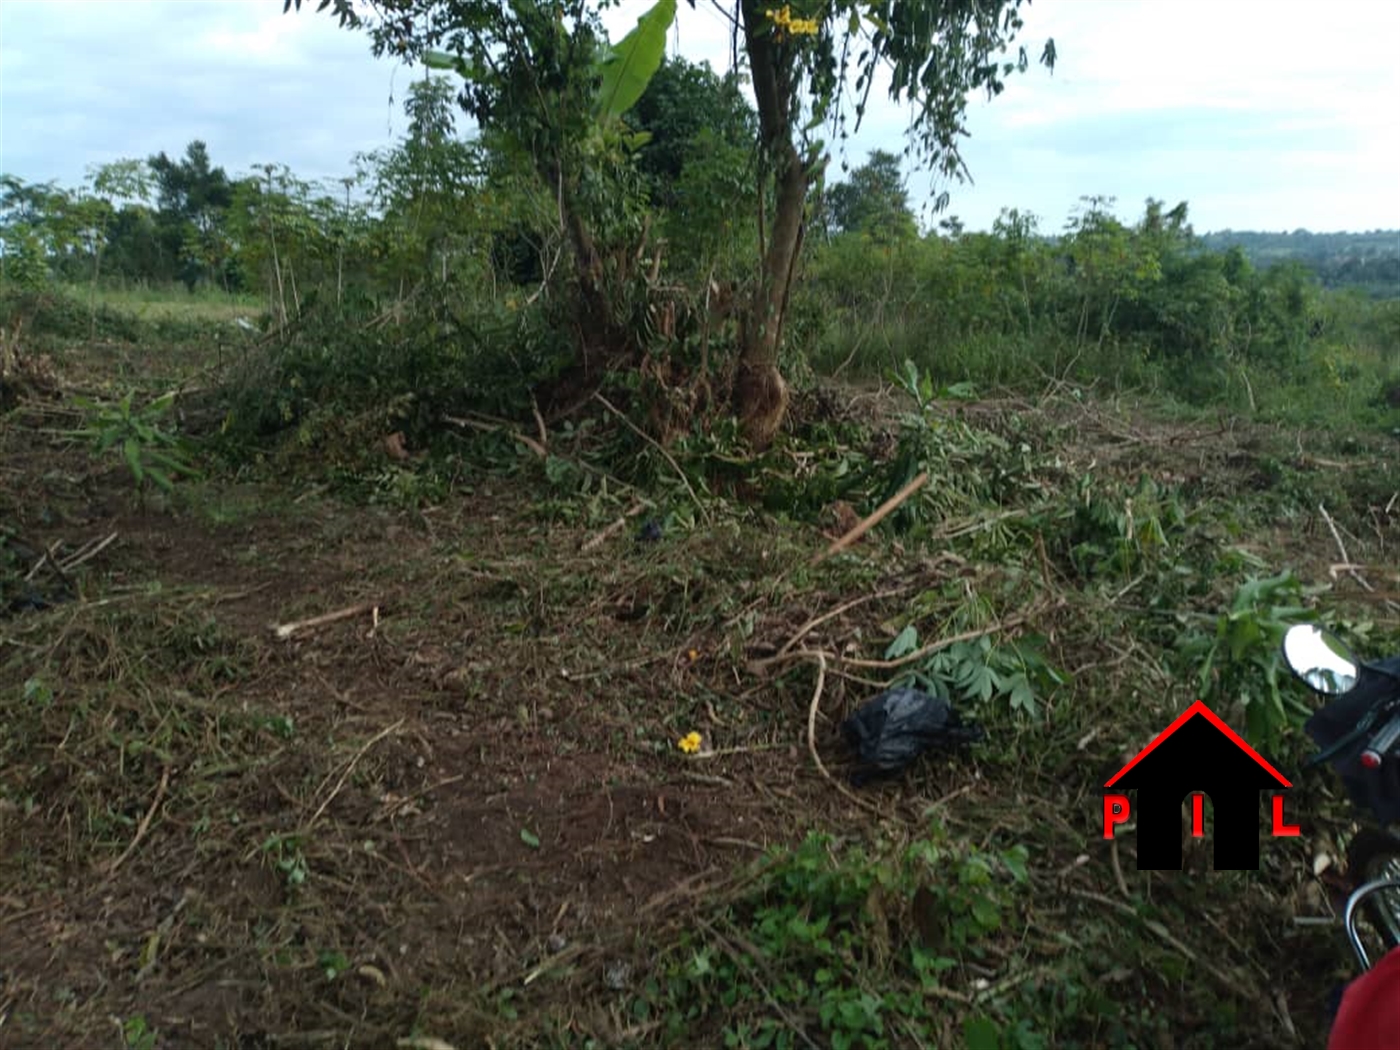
x=380, y=826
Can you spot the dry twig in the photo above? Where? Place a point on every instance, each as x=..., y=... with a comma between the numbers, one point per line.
x=286, y=630
x=602, y=536
x=880, y=513
x=145, y=824
x=345, y=773
x=1346, y=558
x=812, y=735
x=918, y=654
x=817, y=621
x=1165, y=935
x=498, y=428
x=656, y=445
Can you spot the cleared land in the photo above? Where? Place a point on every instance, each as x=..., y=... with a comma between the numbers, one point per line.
x=464, y=815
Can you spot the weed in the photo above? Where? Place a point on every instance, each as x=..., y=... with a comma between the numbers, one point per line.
x=38, y=694
x=288, y=858
x=1241, y=659
x=332, y=964
x=822, y=936
x=137, y=1035
x=980, y=671
x=151, y=452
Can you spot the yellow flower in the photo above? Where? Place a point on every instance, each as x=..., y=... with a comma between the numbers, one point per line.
x=690, y=743
x=784, y=24
x=693, y=655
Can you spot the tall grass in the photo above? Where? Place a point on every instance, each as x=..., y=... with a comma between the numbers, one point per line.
x=172, y=302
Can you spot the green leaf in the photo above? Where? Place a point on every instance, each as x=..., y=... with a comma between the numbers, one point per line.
x=161, y=405
x=529, y=838
x=161, y=478
x=170, y=463
x=132, y=450
x=981, y=1033
x=987, y=914
x=1023, y=697
x=452, y=63
x=905, y=643
x=629, y=67
x=1015, y=861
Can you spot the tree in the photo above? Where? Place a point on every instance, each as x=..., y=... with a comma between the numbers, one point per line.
x=698, y=161
x=31, y=230
x=935, y=54
x=127, y=181
x=542, y=73
x=872, y=201
x=542, y=81
x=426, y=186
x=193, y=197
x=683, y=104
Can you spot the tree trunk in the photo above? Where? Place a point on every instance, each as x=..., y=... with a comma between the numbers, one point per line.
x=92, y=296
x=602, y=340
x=760, y=394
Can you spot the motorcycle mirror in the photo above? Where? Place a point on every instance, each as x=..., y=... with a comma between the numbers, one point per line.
x=1320, y=659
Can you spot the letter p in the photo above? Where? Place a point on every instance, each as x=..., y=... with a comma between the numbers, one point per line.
x=1115, y=811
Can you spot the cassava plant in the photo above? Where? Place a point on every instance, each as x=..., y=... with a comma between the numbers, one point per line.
x=153, y=453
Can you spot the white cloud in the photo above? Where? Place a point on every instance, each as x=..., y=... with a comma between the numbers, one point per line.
x=1274, y=114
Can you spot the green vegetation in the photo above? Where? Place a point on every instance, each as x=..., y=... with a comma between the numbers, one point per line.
x=1368, y=262
x=151, y=451
x=367, y=733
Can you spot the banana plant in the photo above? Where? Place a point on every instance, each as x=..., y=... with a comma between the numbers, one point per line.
x=623, y=72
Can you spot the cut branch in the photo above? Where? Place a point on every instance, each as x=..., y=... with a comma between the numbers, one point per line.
x=286, y=630
x=881, y=513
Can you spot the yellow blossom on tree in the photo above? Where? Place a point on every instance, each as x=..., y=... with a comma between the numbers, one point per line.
x=785, y=25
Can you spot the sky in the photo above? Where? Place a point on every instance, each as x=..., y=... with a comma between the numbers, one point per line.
x=1261, y=114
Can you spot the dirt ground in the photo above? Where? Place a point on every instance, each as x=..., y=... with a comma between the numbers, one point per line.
x=385, y=824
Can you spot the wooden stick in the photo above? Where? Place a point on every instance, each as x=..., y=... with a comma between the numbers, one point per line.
x=881, y=513
x=812, y=735
x=539, y=422
x=529, y=442
x=656, y=445
x=1346, y=558
x=345, y=773
x=817, y=621
x=756, y=666
x=145, y=824
x=601, y=537
x=286, y=630
x=85, y=552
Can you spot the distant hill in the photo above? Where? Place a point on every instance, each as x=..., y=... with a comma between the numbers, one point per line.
x=1369, y=262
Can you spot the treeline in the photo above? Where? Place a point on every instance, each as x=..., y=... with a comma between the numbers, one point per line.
x=434, y=208
x=1140, y=304
x=1369, y=261
x=468, y=230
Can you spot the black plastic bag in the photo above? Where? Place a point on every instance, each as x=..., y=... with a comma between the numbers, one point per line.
x=892, y=730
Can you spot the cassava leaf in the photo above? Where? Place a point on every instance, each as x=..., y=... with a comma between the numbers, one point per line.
x=905, y=643
x=132, y=450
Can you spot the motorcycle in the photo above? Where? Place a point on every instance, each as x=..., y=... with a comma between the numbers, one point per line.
x=1358, y=730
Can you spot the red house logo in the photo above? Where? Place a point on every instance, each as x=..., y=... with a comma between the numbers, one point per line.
x=1197, y=755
